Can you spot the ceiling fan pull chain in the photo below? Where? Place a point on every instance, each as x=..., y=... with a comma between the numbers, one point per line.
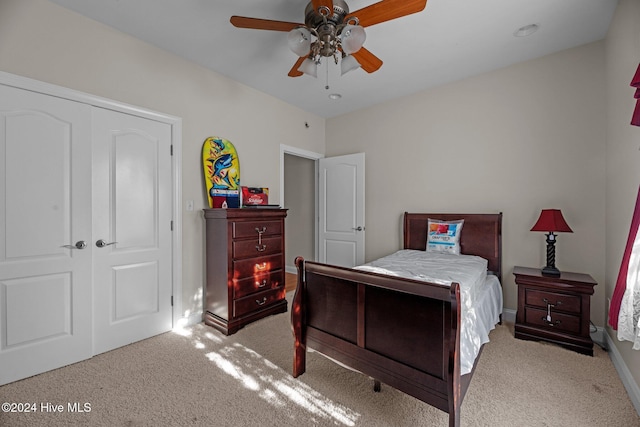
x=327, y=86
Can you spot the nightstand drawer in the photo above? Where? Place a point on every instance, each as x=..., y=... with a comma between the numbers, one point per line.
x=561, y=302
x=559, y=322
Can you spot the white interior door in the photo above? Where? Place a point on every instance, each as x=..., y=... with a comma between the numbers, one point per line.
x=132, y=208
x=341, y=210
x=45, y=204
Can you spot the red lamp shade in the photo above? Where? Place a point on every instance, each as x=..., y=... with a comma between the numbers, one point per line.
x=636, y=79
x=551, y=220
x=635, y=118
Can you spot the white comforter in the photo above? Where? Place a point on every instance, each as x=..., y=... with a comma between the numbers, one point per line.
x=480, y=294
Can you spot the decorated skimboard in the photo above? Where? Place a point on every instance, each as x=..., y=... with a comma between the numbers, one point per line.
x=221, y=168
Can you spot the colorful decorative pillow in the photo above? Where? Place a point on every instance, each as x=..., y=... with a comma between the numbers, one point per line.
x=444, y=236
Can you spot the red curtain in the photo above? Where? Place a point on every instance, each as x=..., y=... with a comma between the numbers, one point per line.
x=621, y=283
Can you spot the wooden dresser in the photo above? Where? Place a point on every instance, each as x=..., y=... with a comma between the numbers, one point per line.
x=245, y=266
x=554, y=309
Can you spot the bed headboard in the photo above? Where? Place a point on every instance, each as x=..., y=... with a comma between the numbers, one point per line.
x=481, y=235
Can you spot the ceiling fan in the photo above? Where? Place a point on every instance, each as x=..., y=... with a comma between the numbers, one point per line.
x=330, y=30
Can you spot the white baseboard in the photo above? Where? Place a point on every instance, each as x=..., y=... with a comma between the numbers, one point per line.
x=598, y=337
x=508, y=315
x=192, y=319
x=291, y=269
x=623, y=371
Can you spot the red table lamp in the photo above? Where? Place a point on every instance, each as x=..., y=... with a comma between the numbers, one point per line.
x=550, y=221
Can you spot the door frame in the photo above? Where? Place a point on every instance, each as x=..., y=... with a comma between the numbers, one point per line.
x=26, y=83
x=298, y=152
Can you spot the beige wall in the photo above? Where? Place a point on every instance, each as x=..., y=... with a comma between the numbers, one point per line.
x=623, y=150
x=516, y=140
x=41, y=40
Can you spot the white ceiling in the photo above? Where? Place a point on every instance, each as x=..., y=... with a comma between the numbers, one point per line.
x=448, y=41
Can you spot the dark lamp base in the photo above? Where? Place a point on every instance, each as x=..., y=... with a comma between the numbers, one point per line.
x=550, y=271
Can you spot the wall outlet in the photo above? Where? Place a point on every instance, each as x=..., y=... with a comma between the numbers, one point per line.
x=189, y=205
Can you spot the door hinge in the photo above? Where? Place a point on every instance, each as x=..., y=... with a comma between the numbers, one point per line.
x=171, y=225
x=171, y=149
x=171, y=300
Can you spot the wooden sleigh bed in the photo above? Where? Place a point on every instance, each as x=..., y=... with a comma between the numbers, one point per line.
x=402, y=332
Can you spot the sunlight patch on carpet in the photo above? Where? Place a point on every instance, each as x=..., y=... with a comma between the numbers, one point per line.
x=182, y=330
x=276, y=386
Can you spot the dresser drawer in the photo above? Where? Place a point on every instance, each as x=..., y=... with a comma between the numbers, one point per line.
x=561, y=302
x=559, y=322
x=251, y=266
x=257, y=301
x=258, y=282
x=253, y=228
x=251, y=248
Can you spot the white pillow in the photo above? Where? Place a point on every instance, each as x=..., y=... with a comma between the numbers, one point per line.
x=444, y=236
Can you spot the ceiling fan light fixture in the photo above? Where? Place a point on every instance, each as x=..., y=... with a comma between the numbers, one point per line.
x=331, y=30
x=309, y=67
x=347, y=64
x=352, y=38
x=299, y=41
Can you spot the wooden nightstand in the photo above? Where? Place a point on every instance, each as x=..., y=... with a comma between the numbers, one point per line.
x=554, y=309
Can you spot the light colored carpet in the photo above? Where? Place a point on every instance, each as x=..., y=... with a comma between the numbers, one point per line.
x=199, y=377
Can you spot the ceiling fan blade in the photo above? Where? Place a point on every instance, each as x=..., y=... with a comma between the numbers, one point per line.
x=263, y=24
x=294, y=72
x=386, y=10
x=319, y=3
x=368, y=61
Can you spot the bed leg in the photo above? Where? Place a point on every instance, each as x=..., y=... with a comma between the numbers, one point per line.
x=299, y=360
x=297, y=318
x=376, y=386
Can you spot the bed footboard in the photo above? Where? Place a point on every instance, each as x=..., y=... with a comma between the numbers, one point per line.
x=401, y=332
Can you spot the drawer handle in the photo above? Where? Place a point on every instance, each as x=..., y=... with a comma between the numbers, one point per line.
x=261, y=266
x=550, y=322
x=261, y=248
x=263, y=302
x=547, y=319
x=260, y=231
x=263, y=283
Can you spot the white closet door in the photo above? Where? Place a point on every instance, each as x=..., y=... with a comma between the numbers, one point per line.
x=45, y=204
x=341, y=210
x=132, y=217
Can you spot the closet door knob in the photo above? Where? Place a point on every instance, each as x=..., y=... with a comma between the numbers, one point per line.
x=80, y=244
x=101, y=243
